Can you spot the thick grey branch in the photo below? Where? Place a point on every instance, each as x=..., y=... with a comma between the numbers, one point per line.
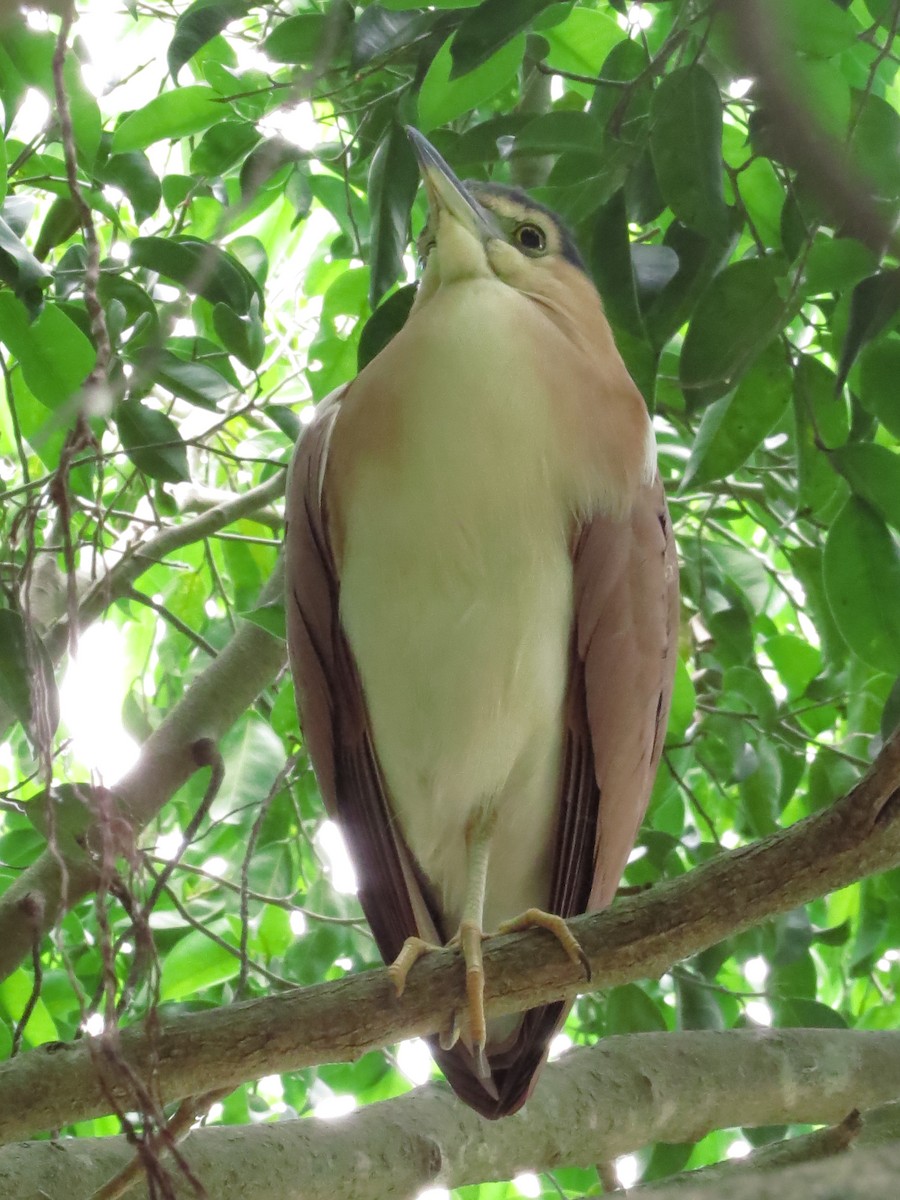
x=593, y=1104
x=342, y=1020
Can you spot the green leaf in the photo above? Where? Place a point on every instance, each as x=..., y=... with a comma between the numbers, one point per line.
x=270, y=617
x=61, y=221
x=736, y=315
x=699, y=258
x=244, y=337
x=199, y=267
x=152, y=442
x=796, y=1012
x=393, y=183
x=135, y=176
x=611, y=267
x=630, y=1010
x=403, y=5
x=822, y=422
x=862, y=582
x=53, y=353
x=879, y=370
x=222, y=146
x=834, y=264
x=874, y=474
x=23, y=659
x=310, y=37
x=174, y=114
x=197, y=25
x=795, y=660
x=763, y=197
x=875, y=141
x=815, y=29
x=253, y=757
x=686, y=145
x=20, y=270
x=698, y=1007
x=582, y=42
x=487, y=28
x=193, y=381
x=558, y=132
x=874, y=303
x=333, y=194
x=387, y=320
x=15, y=993
x=684, y=702
x=193, y=964
x=442, y=99
x=732, y=428
x=377, y=32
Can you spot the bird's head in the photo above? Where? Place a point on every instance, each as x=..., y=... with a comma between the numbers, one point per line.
x=485, y=230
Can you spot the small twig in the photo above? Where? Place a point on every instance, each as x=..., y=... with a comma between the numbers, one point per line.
x=177, y=1130
x=99, y=331
x=276, y=787
x=31, y=908
x=176, y=622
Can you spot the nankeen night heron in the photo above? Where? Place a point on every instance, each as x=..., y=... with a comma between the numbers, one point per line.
x=482, y=595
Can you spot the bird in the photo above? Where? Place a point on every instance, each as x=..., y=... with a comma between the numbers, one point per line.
x=482, y=606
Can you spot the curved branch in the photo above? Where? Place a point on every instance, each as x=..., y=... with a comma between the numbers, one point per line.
x=212, y=703
x=120, y=578
x=593, y=1104
x=344, y=1019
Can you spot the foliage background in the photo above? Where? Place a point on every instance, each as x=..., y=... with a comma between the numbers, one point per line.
x=251, y=193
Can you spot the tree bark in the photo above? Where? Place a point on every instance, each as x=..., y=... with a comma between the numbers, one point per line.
x=593, y=1104
x=339, y=1021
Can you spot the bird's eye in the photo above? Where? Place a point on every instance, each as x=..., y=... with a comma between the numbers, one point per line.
x=531, y=238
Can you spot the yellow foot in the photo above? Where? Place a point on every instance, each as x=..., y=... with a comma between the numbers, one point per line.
x=537, y=918
x=470, y=937
x=410, y=953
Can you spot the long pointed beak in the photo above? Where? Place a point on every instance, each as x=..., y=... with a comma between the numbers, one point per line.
x=446, y=193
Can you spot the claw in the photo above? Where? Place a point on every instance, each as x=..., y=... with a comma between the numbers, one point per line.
x=449, y=1037
x=536, y=918
x=410, y=953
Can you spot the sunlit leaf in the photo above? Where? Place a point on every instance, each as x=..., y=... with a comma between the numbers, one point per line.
x=173, y=114
x=55, y=356
x=197, y=24
x=442, y=98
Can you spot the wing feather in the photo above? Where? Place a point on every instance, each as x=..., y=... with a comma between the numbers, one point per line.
x=623, y=660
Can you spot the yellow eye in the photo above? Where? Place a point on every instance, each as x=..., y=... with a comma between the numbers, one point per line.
x=531, y=238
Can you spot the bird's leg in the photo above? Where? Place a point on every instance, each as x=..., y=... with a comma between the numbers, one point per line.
x=471, y=931
x=468, y=937
x=536, y=918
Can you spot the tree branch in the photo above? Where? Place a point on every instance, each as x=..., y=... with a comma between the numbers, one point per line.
x=121, y=577
x=836, y=178
x=341, y=1020
x=213, y=702
x=593, y=1104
